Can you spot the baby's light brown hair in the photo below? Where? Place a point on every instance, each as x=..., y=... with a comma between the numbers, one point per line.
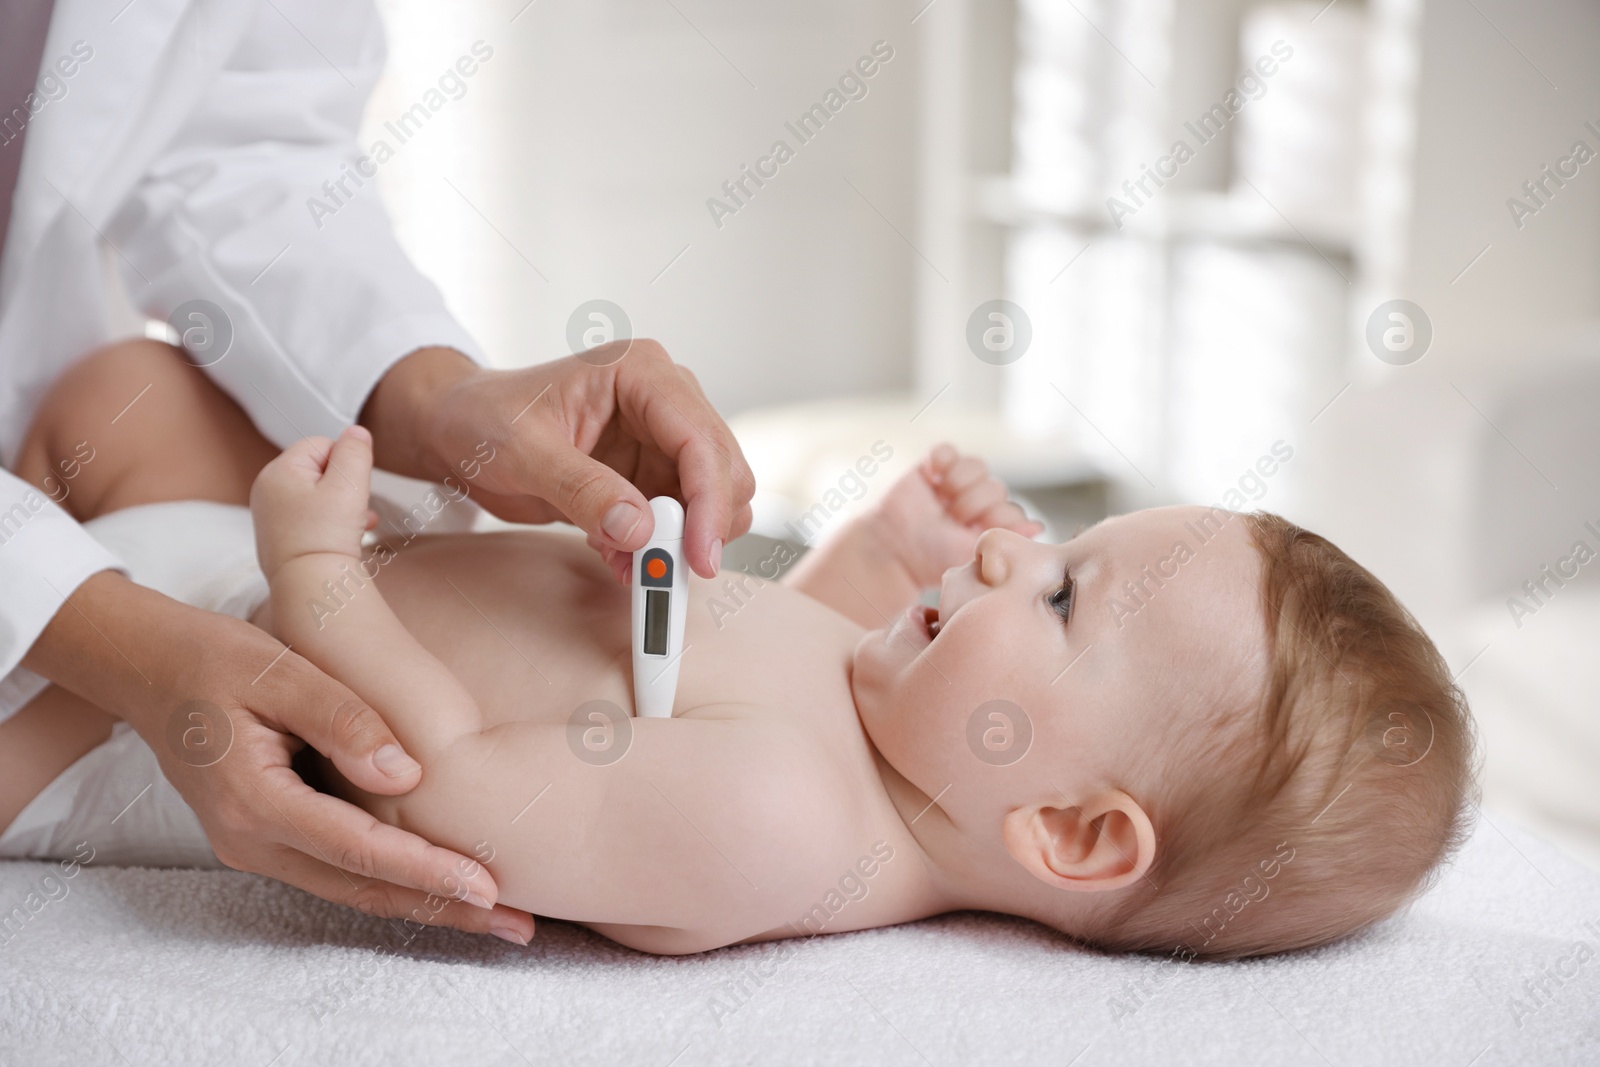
x=1333, y=803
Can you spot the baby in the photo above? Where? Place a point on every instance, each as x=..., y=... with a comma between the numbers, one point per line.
x=1185, y=730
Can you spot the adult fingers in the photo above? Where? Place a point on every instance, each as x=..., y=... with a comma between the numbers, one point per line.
x=344, y=836
x=517, y=507
x=621, y=566
x=717, y=488
x=390, y=901
x=716, y=479
x=619, y=563
x=299, y=699
x=742, y=518
x=667, y=405
x=590, y=494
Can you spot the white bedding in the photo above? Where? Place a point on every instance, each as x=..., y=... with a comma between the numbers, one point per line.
x=189, y=967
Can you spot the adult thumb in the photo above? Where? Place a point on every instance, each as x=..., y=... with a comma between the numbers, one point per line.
x=333, y=720
x=594, y=497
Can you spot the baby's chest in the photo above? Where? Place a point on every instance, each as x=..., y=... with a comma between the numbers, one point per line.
x=764, y=645
x=547, y=639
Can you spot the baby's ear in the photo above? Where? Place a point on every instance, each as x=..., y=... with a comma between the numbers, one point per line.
x=1105, y=841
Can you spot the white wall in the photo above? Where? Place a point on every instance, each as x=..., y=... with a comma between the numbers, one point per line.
x=1489, y=121
x=591, y=141
x=1395, y=463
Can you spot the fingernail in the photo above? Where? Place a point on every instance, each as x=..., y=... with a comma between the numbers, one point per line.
x=716, y=556
x=393, y=761
x=477, y=900
x=508, y=933
x=621, y=521
x=361, y=433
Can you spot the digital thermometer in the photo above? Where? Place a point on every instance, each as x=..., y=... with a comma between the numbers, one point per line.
x=660, y=606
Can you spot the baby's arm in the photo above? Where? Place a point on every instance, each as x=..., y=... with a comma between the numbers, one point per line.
x=667, y=835
x=858, y=573
x=310, y=507
x=929, y=521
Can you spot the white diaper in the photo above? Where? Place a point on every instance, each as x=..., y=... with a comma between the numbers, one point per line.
x=116, y=798
x=117, y=801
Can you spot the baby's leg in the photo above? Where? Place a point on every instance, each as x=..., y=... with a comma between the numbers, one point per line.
x=131, y=423
x=135, y=423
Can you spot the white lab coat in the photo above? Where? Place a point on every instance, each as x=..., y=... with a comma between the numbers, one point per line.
x=183, y=151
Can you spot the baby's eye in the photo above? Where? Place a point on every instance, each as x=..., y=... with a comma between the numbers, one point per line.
x=1061, y=598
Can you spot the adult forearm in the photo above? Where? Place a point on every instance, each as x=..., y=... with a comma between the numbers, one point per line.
x=113, y=644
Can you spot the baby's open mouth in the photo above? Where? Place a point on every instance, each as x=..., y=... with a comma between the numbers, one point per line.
x=920, y=624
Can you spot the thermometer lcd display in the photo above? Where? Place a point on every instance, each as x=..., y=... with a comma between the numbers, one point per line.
x=655, y=621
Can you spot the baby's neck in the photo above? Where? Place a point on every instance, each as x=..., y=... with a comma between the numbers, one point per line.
x=967, y=867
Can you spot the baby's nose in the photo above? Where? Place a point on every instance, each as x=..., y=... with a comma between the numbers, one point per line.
x=997, y=554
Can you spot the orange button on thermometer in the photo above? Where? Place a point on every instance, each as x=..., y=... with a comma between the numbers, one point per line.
x=660, y=606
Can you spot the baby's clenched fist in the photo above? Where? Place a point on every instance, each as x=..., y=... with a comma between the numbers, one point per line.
x=313, y=498
x=932, y=516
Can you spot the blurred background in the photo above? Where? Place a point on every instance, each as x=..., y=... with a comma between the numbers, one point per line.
x=1178, y=322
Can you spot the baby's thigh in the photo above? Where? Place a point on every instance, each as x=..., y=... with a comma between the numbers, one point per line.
x=135, y=423
x=43, y=739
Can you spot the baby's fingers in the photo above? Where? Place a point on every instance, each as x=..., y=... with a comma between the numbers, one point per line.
x=975, y=499
x=972, y=496
x=346, y=478
x=350, y=460
x=964, y=474
x=1009, y=516
x=303, y=460
x=938, y=462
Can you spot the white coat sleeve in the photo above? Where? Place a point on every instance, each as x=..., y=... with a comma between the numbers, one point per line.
x=44, y=556
x=263, y=206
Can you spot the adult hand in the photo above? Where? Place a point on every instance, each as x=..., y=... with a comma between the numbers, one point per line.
x=242, y=703
x=585, y=440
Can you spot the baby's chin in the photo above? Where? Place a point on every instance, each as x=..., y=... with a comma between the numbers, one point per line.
x=861, y=662
x=871, y=674
x=879, y=655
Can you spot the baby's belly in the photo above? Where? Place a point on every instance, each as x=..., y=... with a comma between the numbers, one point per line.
x=534, y=625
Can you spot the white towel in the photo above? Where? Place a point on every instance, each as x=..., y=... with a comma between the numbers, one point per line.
x=215, y=967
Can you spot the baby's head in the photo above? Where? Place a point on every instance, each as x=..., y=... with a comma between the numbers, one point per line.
x=1185, y=730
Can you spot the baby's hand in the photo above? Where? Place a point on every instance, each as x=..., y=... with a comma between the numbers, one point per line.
x=313, y=498
x=933, y=515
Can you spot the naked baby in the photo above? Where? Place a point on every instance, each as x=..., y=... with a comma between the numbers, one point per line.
x=1267, y=754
